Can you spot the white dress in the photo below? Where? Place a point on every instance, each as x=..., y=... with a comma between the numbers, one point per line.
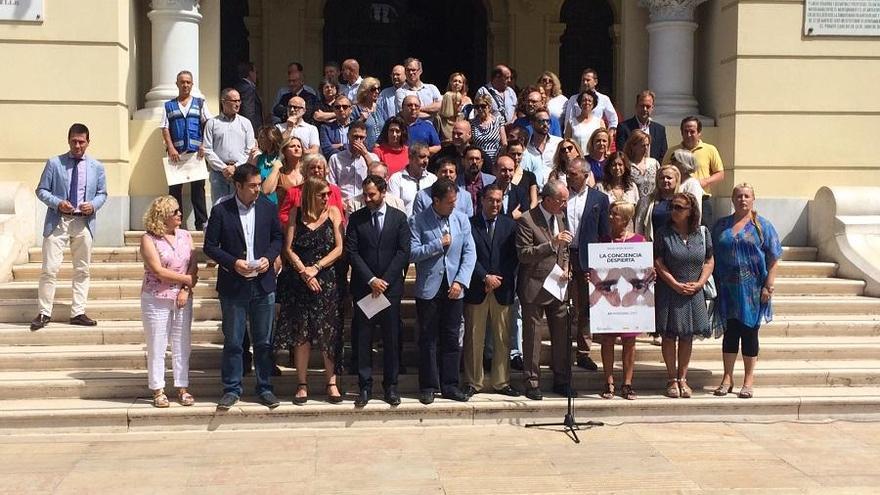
x=582, y=131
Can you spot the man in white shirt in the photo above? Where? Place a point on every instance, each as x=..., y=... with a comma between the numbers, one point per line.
x=603, y=109
x=502, y=96
x=229, y=143
x=538, y=157
x=387, y=104
x=307, y=133
x=428, y=94
x=348, y=168
x=351, y=79
x=415, y=177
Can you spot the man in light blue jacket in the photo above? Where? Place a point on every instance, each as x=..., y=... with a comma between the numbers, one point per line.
x=73, y=187
x=444, y=253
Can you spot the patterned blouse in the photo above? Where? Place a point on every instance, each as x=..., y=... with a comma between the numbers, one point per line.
x=487, y=138
x=174, y=257
x=741, y=262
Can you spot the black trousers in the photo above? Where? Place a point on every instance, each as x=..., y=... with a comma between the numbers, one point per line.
x=197, y=196
x=387, y=322
x=439, y=350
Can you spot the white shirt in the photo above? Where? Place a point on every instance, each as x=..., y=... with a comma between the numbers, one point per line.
x=575, y=209
x=350, y=90
x=348, y=172
x=228, y=141
x=427, y=93
x=405, y=186
x=556, y=106
x=507, y=98
x=307, y=133
x=549, y=217
x=184, y=109
x=248, y=215
x=538, y=163
x=604, y=108
x=381, y=211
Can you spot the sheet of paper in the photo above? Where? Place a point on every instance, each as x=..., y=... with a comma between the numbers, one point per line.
x=372, y=305
x=189, y=168
x=556, y=283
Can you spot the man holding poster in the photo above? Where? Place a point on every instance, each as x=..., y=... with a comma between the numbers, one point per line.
x=542, y=242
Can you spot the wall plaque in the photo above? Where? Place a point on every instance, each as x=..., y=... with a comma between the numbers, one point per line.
x=842, y=18
x=21, y=10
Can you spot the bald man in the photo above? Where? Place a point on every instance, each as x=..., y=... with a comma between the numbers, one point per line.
x=461, y=139
x=351, y=79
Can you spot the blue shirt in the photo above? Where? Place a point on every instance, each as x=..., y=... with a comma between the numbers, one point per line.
x=421, y=131
x=525, y=123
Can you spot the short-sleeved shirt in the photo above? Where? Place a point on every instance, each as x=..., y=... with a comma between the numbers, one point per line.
x=707, y=158
x=427, y=93
x=307, y=133
x=184, y=109
x=421, y=131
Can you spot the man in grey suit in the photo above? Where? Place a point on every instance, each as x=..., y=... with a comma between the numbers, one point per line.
x=73, y=186
x=444, y=253
x=542, y=241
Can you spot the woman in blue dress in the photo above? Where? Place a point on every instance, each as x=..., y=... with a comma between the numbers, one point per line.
x=747, y=250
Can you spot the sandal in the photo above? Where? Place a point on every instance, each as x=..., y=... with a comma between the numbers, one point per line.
x=185, y=398
x=608, y=392
x=745, y=392
x=672, y=390
x=723, y=389
x=160, y=400
x=301, y=400
x=685, y=391
x=626, y=391
x=333, y=399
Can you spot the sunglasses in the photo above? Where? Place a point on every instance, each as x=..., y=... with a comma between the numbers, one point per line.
x=292, y=108
x=482, y=106
x=177, y=212
x=546, y=80
x=568, y=148
x=543, y=121
x=680, y=208
x=341, y=107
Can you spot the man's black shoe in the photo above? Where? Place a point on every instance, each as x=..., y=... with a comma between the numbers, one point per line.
x=455, y=394
x=564, y=390
x=269, y=400
x=426, y=397
x=534, y=393
x=228, y=400
x=83, y=320
x=516, y=363
x=470, y=391
x=586, y=363
x=39, y=322
x=392, y=397
x=508, y=391
x=363, y=398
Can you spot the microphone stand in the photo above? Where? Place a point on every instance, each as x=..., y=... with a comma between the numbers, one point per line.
x=569, y=424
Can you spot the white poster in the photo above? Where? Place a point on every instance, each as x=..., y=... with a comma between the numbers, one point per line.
x=188, y=169
x=621, y=287
x=21, y=10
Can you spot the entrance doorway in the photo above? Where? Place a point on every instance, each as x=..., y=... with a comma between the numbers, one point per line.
x=586, y=42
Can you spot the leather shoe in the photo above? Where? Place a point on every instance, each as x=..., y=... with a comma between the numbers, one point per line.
x=392, y=397
x=455, y=394
x=508, y=391
x=470, y=391
x=516, y=363
x=269, y=400
x=426, y=397
x=363, y=398
x=40, y=321
x=83, y=320
x=227, y=401
x=564, y=390
x=534, y=393
x=586, y=363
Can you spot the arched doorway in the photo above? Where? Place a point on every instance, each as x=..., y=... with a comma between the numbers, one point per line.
x=586, y=42
x=447, y=36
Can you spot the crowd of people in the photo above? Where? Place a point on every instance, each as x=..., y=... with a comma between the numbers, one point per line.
x=322, y=204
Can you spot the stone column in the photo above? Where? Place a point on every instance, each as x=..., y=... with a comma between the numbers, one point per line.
x=671, y=59
x=175, y=46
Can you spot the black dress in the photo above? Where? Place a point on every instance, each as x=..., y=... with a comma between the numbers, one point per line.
x=306, y=316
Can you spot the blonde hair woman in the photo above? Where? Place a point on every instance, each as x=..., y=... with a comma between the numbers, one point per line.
x=654, y=210
x=170, y=273
x=454, y=100
x=365, y=109
x=556, y=101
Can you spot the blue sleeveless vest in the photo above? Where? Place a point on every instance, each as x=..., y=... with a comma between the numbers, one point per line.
x=186, y=130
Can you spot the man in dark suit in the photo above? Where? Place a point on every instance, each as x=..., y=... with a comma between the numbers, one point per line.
x=587, y=212
x=490, y=294
x=642, y=120
x=514, y=200
x=542, y=241
x=251, y=104
x=378, y=244
x=244, y=237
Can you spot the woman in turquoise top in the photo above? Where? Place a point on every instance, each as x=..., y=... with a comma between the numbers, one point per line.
x=268, y=141
x=747, y=250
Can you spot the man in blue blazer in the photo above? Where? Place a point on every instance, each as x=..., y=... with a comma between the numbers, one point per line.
x=244, y=237
x=490, y=295
x=443, y=250
x=73, y=187
x=378, y=244
x=642, y=120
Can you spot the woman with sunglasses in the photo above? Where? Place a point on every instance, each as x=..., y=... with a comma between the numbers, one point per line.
x=285, y=173
x=170, y=273
x=587, y=123
x=365, y=109
x=487, y=132
x=311, y=316
x=313, y=166
x=684, y=262
x=553, y=89
x=453, y=106
x=567, y=151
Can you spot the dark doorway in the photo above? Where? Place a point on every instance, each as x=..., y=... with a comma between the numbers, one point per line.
x=234, y=45
x=586, y=42
x=447, y=36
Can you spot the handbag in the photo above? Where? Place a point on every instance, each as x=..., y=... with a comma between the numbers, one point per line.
x=709, y=289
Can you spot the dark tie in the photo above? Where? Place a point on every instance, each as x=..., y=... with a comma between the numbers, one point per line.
x=376, y=226
x=551, y=223
x=491, y=231
x=74, y=183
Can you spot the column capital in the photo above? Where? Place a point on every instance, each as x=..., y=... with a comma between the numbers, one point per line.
x=671, y=10
x=175, y=10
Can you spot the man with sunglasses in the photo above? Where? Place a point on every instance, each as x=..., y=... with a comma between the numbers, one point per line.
x=295, y=125
x=538, y=158
x=535, y=102
x=348, y=168
x=334, y=135
x=419, y=130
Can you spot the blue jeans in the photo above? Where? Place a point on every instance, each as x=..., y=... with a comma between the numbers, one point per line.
x=220, y=187
x=258, y=309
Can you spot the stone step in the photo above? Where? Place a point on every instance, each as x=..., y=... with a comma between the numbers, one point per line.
x=135, y=413
x=826, y=304
x=207, y=355
x=114, y=384
x=799, y=253
x=819, y=286
x=120, y=254
x=806, y=269
x=133, y=237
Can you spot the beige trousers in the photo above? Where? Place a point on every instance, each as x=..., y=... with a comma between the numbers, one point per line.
x=70, y=230
x=476, y=317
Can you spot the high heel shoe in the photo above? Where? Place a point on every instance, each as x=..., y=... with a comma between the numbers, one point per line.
x=684, y=390
x=333, y=399
x=672, y=390
x=608, y=392
x=723, y=390
x=301, y=400
x=745, y=392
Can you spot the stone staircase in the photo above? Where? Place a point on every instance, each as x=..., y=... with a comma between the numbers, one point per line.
x=819, y=359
